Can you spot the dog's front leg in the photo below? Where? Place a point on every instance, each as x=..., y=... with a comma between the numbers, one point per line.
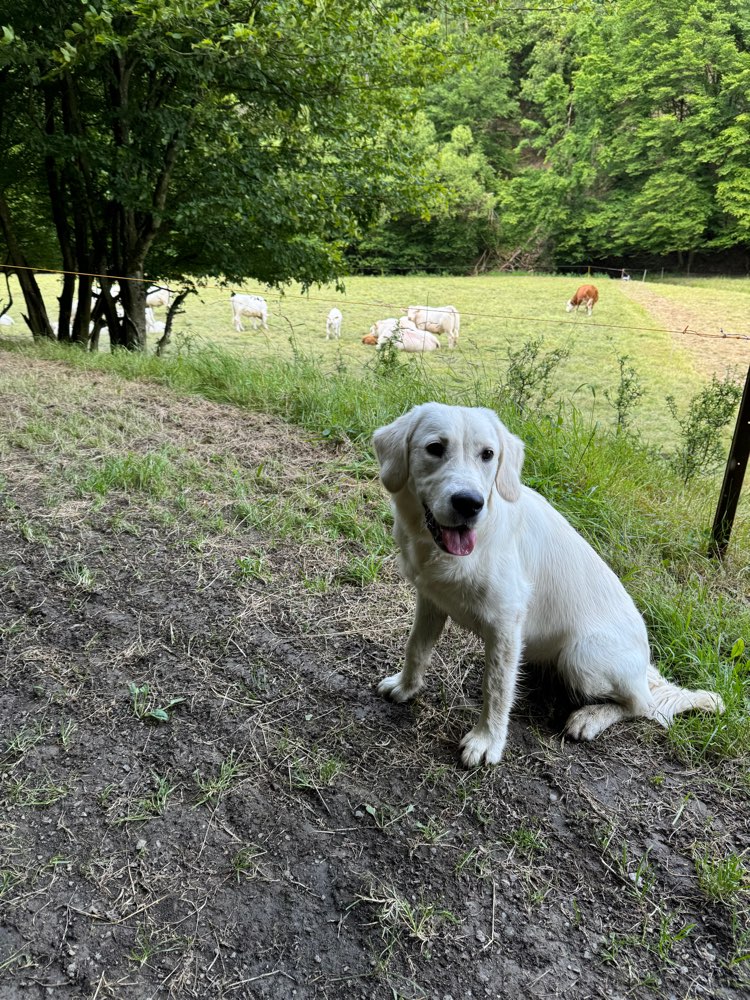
x=425, y=632
x=484, y=744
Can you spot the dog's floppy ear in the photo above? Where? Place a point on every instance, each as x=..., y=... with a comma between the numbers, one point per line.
x=392, y=448
x=508, y=475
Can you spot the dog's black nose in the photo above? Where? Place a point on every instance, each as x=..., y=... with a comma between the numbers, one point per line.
x=467, y=504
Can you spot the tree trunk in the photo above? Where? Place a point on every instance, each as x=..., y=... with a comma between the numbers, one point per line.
x=133, y=299
x=37, y=319
x=174, y=308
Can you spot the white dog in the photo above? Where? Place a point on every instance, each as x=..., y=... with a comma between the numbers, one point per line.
x=495, y=556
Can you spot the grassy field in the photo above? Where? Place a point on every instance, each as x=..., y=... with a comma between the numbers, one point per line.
x=499, y=312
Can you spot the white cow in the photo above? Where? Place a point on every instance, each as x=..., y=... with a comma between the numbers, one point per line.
x=416, y=341
x=158, y=295
x=254, y=306
x=6, y=320
x=437, y=319
x=333, y=324
x=153, y=325
x=384, y=328
x=407, y=337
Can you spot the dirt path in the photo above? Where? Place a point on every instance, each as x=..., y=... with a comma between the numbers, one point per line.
x=282, y=831
x=711, y=354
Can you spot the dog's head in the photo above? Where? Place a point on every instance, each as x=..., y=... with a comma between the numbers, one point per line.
x=451, y=458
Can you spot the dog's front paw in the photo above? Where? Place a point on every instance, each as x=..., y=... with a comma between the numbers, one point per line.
x=396, y=688
x=480, y=746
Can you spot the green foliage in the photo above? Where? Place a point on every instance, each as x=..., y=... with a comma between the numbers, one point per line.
x=529, y=374
x=221, y=138
x=144, y=706
x=709, y=412
x=615, y=129
x=629, y=391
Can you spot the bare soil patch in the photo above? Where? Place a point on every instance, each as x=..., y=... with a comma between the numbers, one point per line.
x=285, y=832
x=712, y=354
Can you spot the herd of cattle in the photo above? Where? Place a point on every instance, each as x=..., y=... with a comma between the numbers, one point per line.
x=416, y=332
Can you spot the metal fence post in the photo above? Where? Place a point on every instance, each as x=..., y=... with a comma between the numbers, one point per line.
x=739, y=452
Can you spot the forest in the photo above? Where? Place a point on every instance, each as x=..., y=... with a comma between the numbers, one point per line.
x=603, y=132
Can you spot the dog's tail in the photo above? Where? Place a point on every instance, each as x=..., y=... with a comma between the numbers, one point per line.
x=669, y=699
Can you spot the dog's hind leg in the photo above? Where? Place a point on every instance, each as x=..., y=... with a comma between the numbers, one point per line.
x=588, y=722
x=425, y=632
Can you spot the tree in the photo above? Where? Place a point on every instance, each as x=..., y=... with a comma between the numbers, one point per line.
x=226, y=138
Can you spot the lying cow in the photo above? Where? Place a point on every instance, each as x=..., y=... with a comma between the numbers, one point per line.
x=407, y=337
x=587, y=295
x=382, y=327
x=437, y=319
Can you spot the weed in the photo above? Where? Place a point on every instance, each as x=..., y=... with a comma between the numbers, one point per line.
x=386, y=815
x=246, y=862
x=79, y=575
x=30, y=532
x=151, y=805
x=629, y=391
x=314, y=770
x=68, y=730
x=721, y=878
x=252, y=567
x=150, y=942
x=149, y=473
x=668, y=938
x=433, y=831
x=529, y=375
x=144, y=707
x=361, y=570
x=475, y=861
x=708, y=413
x=231, y=772
x=24, y=792
x=399, y=917
x=9, y=879
x=24, y=740
x=528, y=842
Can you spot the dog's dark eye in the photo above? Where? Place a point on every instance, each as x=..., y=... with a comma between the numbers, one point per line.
x=487, y=455
x=437, y=448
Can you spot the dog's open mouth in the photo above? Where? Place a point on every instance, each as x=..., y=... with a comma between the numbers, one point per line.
x=458, y=540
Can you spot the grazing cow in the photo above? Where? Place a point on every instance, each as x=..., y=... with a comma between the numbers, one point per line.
x=587, y=295
x=333, y=324
x=254, y=306
x=437, y=319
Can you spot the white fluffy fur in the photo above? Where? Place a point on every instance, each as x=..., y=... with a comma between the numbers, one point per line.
x=532, y=588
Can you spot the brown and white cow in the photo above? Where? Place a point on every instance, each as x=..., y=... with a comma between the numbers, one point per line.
x=586, y=295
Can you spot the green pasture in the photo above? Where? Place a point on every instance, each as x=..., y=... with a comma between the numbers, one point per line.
x=498, y=313
x=717, y=303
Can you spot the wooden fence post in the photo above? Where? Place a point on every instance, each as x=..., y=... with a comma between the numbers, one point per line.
x=739, y=452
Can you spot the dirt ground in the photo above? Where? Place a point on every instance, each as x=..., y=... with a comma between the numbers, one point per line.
x=281, y=831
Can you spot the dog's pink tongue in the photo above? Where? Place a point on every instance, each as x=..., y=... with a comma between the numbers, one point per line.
x=459, y=543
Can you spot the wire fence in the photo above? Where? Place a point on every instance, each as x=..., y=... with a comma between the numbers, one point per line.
x=400, y=307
